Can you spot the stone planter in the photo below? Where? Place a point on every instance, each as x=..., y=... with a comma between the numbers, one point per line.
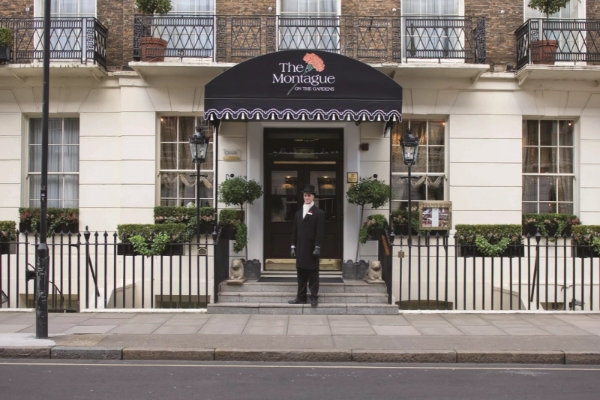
x=354, y=270
x=172, y=249
x=467, y=250
x=252, y=269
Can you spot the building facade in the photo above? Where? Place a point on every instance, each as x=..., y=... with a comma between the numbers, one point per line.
x=501, y=132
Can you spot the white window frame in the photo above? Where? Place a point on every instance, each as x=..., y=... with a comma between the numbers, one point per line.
x=29, y=197
x=575, y=172
x=397, y=203
x=204, y=169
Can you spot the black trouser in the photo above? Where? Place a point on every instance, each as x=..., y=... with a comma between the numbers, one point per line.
x=310, y=277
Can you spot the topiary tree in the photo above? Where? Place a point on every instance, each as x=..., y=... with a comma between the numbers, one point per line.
x=239, y=191
x=150, y=7
x=547, y=7
x=368, y=191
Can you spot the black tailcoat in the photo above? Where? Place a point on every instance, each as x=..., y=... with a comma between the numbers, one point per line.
x=306, y=234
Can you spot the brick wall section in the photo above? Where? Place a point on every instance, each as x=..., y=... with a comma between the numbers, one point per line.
x=247, y=7
x=381, y=8
x=16, y=8
x=110, y=14
x=592, y=9
x=500, y=28
x=128, y=12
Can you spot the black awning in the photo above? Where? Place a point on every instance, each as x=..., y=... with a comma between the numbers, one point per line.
x=303, y=85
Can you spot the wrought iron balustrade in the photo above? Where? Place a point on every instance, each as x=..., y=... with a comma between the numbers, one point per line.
x=235, y=38
x=445, y=38
x=82, y=39
x=574, y=41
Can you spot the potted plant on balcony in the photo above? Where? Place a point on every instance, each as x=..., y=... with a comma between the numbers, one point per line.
x=544, y=51
x=152, y=49
x=8, y=234
x=6, y=41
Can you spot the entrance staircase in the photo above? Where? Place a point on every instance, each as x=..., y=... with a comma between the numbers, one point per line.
x=349, y=297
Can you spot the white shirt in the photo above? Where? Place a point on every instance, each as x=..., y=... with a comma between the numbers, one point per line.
x=306, y=207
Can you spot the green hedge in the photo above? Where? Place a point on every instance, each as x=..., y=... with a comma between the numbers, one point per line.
x=465, y=233
x=230, y=217
x=183, y=215
x=8, y=231
x=551, y=222
x=586, y=234
x=373, y=222
x=177, y=232
x=56, y=217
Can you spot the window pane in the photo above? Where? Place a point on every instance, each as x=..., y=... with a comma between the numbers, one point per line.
x=547, y=208
x=71, y=190
x=71, y=158
x=397, y=160
x=168, y=129
x=548, y=160
x=436, y=159
x=206, y=185
x=284, y=182
x=419, y=130
x=55, y=189
x=565, y=208
x=35, y=131
x=530, y=188
x=436, y=133
x=566, y=133
x=35, y=158
x=55, y=131
x=187, y=186
x=71, y=131
x=530, y=133
x=168, y=185
x=435, y=188
x=35, y=185
x=54, y=158
x=530, y=159
x=548, y=133
x=566, y=160
x=185, y=157
x=168, y=156
x=530, y=208
x=565, y=188
x=187, y=128
x=208, y=163
x=547, y=188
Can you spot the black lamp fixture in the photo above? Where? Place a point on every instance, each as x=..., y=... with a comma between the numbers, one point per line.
x=410, y=151
x=199, y=146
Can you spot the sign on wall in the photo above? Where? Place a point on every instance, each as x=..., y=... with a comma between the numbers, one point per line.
x=435, y=215
x=232, y=155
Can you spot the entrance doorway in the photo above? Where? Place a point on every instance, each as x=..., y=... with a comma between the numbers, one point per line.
x=293, y=159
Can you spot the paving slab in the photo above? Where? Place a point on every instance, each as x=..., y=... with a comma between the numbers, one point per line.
x=302, y=330
x=176, y=330
x=395, y=330
x=476, y=330
x=387, y=320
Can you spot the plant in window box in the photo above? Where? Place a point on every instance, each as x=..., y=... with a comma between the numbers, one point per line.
x=186, y=215
x=8, y=234
x=372, y=229
x=368, y=191
x=238, y=191
x=550, y=225
x=6, y=42
x=586, y=241
x=60, y=220
x=400, y=221
x=544, y=51
x=152, y=49
x=151, y=239
x=489, y=241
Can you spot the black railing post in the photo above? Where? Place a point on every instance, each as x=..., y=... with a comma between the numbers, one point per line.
x=86, y=235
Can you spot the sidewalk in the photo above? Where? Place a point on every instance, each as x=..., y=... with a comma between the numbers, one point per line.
x=549, y=338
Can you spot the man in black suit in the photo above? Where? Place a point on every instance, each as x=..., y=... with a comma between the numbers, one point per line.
x=307, y=236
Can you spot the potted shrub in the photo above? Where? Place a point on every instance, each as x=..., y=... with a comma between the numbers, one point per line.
x=586, y=241
x=549, y=224
x=6, y=42
x=489, y=241
x=544, y=51
x=8, y=234
x=368, y=191
x=372, y=229
x=152, y=49
x=60, y=220
x=186, y=215
x=151, y=239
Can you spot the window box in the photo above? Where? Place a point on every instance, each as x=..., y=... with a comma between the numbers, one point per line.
x=8, y=248
x=72, y=228
x=466, y=250
x=172, y=249
x=583, y=251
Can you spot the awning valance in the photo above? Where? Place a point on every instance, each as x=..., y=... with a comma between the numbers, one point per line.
x=303, y=85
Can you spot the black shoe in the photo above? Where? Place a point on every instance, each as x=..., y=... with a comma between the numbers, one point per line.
x=297, y=301
x=314, y=302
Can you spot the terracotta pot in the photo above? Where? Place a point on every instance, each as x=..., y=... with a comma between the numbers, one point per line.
x=543, y=51
x=153, y=49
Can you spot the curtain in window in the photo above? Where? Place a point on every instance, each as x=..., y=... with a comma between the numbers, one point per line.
x=299, y=32
x=192, y=6
x=430, y=7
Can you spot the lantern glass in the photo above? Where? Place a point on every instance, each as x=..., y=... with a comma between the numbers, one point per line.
x=199, y=146
x=410, y=148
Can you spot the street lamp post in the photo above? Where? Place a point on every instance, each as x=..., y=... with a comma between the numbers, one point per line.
x=410, y=150
x=199, y=148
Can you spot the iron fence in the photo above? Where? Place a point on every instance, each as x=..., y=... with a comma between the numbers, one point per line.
x=436, y=272
x=234, y=38
x=546, y=41
x=95, y=271
x=82, y=39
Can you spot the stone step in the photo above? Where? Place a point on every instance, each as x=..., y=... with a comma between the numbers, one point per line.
x=346, y=287
x=289, y=309
x=283, y=297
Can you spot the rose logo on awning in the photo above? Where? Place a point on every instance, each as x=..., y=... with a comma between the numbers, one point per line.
x=313, y=61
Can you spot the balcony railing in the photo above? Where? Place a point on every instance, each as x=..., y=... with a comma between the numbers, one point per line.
x=574, y=41
x=235, y=38
x=82, y=39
